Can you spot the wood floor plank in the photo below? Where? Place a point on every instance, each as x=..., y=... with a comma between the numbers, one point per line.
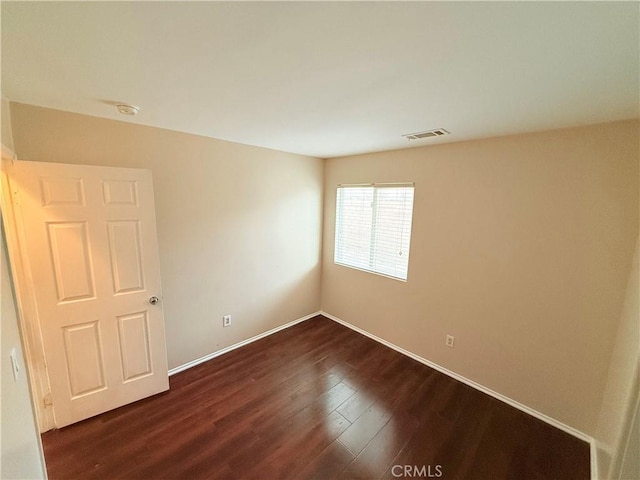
x=356, y=406
x=367, y=426
x=307, y=443
x=379, y=454
x=329, y=464
x=314, y=401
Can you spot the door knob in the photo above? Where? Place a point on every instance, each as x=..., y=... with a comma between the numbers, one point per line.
x=154, y=300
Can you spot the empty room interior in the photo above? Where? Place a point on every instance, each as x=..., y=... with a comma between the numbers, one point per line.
x=328, y=240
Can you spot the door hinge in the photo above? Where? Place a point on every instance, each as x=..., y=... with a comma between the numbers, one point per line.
x=47, y=400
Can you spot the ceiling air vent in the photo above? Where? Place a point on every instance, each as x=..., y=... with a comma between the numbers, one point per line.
x=438, y=132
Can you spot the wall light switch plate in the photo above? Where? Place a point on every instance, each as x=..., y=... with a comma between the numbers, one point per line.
x=14, y=364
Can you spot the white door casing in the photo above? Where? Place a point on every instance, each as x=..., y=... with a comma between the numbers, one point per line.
x=90, y=237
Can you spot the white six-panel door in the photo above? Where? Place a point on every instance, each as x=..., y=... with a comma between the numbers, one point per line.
x=90, y=239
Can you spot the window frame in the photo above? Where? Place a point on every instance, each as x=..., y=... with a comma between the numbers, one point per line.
x=374, y=225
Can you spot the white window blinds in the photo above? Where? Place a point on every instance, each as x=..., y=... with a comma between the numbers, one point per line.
x=373, y=228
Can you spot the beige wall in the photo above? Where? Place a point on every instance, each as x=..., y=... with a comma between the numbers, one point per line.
x=521, y=248
x=622, y=390
x=239, y=227
x=20, y=450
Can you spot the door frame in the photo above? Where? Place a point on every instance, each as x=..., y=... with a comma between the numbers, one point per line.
x=24, y=288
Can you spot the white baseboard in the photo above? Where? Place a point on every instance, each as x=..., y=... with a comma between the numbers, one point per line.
x=222, y=351
x=466, y=381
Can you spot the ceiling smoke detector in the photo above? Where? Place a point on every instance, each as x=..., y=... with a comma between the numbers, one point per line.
x=125, y=109
x=437, y=132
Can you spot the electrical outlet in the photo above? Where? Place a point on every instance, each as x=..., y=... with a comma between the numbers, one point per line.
x=226, y=321
x=449, y=341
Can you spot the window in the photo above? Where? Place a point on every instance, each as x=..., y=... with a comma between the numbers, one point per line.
x=373, y=227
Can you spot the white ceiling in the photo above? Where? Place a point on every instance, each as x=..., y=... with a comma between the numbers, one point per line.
x=328, y=79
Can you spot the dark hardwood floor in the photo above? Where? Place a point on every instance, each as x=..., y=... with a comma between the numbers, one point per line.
x=318, y=401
